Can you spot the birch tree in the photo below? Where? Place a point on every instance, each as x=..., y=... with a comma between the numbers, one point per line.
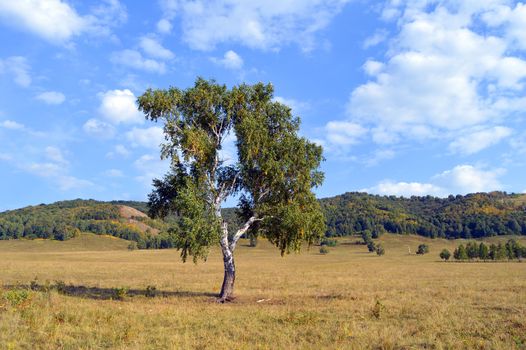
x=272, y=175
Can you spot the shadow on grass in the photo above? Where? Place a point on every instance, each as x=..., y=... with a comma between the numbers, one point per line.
x=98, y=293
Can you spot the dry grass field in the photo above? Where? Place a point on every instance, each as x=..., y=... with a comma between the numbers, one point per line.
x=347, y=299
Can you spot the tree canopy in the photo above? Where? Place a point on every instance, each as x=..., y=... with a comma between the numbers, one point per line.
x=271, y=174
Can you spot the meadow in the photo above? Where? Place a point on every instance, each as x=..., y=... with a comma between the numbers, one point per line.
x=91, y=292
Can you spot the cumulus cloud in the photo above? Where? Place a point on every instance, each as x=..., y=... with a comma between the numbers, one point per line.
x=118, y=150
x=256, y=24
x=51, y=97
x=153, y=48
x=12, y=125
x=18, y=68
x=296, y=105
x=118, y=106
x=57, y=21
x=342, y=133
x=98, y=128
x=134, y=59
x=149, y=138
x=452, y=66
x=164, y=26
x=462, y=179
x=477, y=141
x=230, y=60
x=150, y=167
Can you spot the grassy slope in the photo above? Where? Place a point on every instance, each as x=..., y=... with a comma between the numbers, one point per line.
x=311, y=300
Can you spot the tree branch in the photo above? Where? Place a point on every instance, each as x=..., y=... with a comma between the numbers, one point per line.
x=242, y=231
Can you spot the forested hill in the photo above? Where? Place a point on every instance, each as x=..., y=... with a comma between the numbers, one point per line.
x=66, y=219
x=470, y=216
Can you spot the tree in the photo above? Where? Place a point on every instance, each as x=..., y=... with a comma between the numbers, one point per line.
x=460, y=253
x=422, y=249
x=483, y=251
x=273, y=174
x=445, y=255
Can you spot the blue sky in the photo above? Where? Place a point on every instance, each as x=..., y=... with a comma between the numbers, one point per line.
x=406, y=96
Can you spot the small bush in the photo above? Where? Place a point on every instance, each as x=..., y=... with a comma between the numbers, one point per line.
x=60, y=286
x=17, y=297
x=445, y=255
x=329, y=242
x=380, y=250
x=132, y=245
x=120, y=293
x=151, y=291
x=33, y=285
x=324, y=250
x=371, y=246
x=422, y=249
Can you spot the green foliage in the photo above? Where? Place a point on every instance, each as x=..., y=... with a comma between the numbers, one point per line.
x=371, y=246
x=132, y=246
x=422, y=249
x=460, y=253
x=151, y=291
x=17, y=297
x=511, y=250
x=471, y=216
x=324, y=250
x=329, y=242
x=380, y=250
x=445, y=255
x=120, y=293
x=273, y=174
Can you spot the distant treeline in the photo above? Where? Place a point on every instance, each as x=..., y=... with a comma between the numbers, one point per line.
x=471, y=216
x=480, y=251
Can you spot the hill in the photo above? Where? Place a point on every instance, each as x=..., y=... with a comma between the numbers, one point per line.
x=471, y=216
x=66, y=219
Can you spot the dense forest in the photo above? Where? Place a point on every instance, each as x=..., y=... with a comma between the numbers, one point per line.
x=471, y=216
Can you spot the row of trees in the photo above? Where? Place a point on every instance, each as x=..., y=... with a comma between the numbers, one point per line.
x=473, y=251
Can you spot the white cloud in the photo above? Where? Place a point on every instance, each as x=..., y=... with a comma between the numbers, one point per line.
x=344, y=133
x=149, y=138
x=68, y=182
x=113, y=173
x=18, y=68
x=58, y=22
x=375, y=39
x=12, y=125
x=446, y=71
x=98, y=128
x=150, y=167
x=154, y=49
x=479, y=140
x=230, y=60
x=256, y=24
x=134, y=59
x=164, y=26
x=296, y=105
x=118, y=106
x=55, y=155
x=462, y=179
x=51, y=97
x=405, y=189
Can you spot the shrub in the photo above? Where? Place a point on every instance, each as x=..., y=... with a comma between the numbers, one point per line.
x=60, y=286
x=132, y=245
x=380, y=250
x=445, y=255
x=329, y=242
x=324, y=250
x=120, y=293
x=371, y=246
x=17, y=297
x=151, y=291
x=422, y=249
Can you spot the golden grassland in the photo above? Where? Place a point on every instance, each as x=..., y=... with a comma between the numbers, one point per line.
x=347, y=299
